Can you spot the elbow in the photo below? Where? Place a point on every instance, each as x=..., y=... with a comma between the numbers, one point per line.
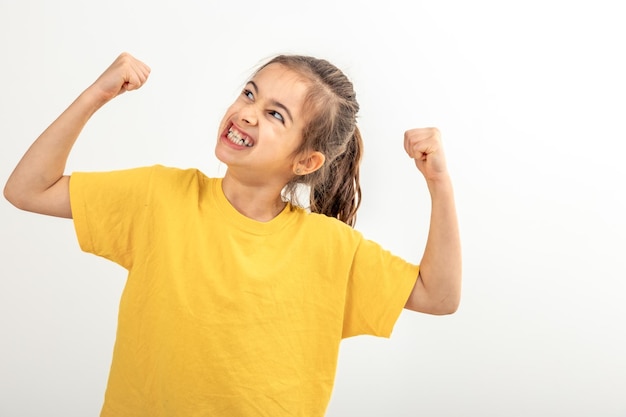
x=446, y=306
x=450, y=307
x=437, y=306
x=9, y=194
x=450, y=304
x=439, y=299
x=13, y=196
x=447, y=299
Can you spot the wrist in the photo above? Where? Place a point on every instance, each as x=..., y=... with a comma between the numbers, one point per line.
x=441, y=183
x=94, y=98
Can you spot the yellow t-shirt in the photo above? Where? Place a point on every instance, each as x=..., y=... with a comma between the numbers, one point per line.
x=223, y=315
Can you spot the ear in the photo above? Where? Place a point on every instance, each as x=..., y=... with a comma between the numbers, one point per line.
x=309, y=162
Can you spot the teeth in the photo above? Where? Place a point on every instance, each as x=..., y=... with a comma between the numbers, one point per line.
x=238, y=140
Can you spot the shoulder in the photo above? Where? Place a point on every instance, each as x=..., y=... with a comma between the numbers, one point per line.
x=168, y=178
x=326, y=227
x=159, y=181
x=145, y=173
x=175, y=173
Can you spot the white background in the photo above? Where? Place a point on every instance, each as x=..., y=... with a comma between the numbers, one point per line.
x=530, y=98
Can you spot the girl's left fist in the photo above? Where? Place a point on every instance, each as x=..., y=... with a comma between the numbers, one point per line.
x=424, y=146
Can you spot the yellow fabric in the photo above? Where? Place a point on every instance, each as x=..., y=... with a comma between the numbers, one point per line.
x=222, y=315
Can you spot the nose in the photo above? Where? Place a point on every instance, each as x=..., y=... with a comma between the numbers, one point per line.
x=248, y=115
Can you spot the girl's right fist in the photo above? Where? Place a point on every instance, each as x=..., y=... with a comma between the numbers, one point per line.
x=126, y=73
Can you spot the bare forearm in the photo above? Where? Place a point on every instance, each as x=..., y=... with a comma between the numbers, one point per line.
x=438, y=286
x=43, y=164
x=37, y=183
x=440, y=268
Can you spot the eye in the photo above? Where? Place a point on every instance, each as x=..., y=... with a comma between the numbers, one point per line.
x=248, y=94
x=277, y=116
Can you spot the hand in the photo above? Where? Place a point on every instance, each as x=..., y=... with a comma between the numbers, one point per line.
x=125, y=74
x=424, y=146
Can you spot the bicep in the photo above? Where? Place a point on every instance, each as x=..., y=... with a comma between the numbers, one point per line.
x=54, y=201
x=419, y=299
x=430, y=302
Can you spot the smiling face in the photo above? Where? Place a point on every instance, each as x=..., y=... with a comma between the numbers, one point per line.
x=262, y=129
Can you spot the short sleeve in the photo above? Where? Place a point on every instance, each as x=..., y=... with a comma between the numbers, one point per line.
x=108, y=209
x=379, y=286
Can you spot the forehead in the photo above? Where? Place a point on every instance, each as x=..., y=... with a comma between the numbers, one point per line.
x=279, y=73
x=278, y=82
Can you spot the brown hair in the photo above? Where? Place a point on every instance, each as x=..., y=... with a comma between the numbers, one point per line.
x=331, y=108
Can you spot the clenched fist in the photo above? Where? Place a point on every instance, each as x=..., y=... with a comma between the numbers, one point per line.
x=424, y=146
x=126, y=73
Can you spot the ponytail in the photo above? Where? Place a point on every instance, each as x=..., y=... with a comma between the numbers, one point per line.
x=339, y=195
x=331, y=129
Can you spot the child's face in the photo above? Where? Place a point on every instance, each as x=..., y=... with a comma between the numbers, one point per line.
x=263, y=128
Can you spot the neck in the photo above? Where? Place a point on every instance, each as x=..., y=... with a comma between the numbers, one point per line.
x=261, y=202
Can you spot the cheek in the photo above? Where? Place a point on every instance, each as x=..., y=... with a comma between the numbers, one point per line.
x=226, y=117
x=297, y=137
x=293, y=143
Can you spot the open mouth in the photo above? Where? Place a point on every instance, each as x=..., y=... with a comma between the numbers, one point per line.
x=238, y=138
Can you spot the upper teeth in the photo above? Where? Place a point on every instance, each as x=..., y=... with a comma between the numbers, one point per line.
x=237, y=139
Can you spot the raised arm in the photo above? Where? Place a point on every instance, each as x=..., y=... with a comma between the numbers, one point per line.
x=438, y=286
x=37, y=183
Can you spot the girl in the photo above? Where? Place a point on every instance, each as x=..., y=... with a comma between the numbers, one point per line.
x=237, y=298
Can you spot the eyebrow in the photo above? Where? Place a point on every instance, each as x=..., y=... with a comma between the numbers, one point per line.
x=273, y=102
